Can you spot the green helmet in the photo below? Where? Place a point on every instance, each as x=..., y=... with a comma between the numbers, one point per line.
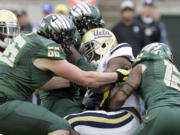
x=58, y=28
x=159, y=49
x=86, y=17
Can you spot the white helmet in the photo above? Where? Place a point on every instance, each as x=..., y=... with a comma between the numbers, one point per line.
x=8, y=27
x=97, y=42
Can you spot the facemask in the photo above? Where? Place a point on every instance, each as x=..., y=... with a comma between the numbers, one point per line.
x=4, y=44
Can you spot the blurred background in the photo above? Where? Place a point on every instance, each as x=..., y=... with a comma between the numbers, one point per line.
x=30, y=13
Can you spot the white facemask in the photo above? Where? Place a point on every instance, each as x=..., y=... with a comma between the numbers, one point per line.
x=4, y=44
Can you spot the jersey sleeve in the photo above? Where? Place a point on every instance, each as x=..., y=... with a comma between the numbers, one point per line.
x=51, y=51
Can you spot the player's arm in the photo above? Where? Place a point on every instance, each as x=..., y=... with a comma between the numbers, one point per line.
x=69, y=71
x=73, y=132
x=55, y=82
x=132, y=83
x=113, y=65
x=75, y=55
x=76, y=59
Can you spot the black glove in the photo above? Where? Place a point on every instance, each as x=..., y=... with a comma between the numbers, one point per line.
x=67, y=49
x=122, y=75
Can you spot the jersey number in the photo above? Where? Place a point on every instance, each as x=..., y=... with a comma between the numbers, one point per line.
x=172, y=76
x=12, y=50
x=53, y=52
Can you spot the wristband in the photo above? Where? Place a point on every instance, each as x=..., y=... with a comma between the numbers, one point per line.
x=126, y=83
x=124, y=92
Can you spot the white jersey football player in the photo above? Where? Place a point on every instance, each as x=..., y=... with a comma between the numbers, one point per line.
x=100, y=47
x=9, y=28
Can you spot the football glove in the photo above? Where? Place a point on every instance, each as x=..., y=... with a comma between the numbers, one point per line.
x=106, y=96
x=91, y=101
x=122, y=75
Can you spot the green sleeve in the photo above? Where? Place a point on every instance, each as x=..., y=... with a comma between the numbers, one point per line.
x=51, y=51
x=84, y=65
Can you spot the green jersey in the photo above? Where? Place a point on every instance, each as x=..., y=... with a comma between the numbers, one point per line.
x=70, y=92
x=18, y=76
x=160, y=85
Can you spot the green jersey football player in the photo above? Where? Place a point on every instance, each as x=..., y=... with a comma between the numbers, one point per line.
x=69, y=100
x=157, y=80
x=29, y=61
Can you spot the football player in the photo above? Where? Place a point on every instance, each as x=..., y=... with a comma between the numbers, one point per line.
x=28, y=62
x=86, y=17
x=8, y=28
x=157, y=80
x=69, y=100
x=100, y=48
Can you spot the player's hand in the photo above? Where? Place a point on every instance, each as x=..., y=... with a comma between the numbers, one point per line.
x=68, y=46
x=122, y=75
x=67, y=49
x=91, y=101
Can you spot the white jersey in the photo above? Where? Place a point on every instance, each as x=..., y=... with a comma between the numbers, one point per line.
x=99, y=122
x=121, y=50
x=1, y=54
x=122, y=122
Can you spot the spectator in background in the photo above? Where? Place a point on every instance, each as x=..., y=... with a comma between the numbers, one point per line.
x=128, y=30
x=23, y=21
x=151, y=27
x=157, y=17
x=47, y=9
x=62, y=9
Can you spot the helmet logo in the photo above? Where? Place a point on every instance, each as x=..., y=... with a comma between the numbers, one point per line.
x=96, y=43
x=54, y=18
x=101, y=33
x=59, y=22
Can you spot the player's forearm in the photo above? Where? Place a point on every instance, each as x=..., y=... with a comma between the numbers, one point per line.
x=127, y=89
x=73, y=132
x=114, y=64
x=90, y=78
x=55, y=83
x=122, y=94
x=96, y=79
x=71, y=72
x=117, y=101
